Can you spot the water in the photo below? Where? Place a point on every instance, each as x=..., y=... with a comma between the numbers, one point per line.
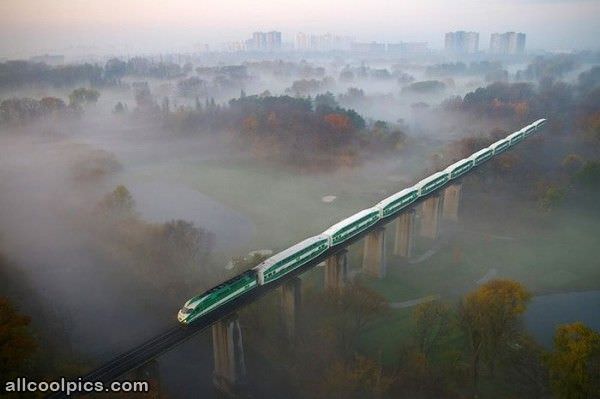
x=546, y=312
x=161, y=201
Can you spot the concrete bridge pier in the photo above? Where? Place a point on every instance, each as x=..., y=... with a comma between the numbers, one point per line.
x=404, y=240
x=229, y=374
x=431, y=215
x=336, y=271
x=452, y=195
x=374, y=253
x=291, y=296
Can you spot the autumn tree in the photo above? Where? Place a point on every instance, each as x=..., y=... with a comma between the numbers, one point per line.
x=431, y=322
x=575, y=362
x=338, y=123
x=52, y=105
x=81, y=96
x=490, y=320
x=360, y=378
x=17, y=344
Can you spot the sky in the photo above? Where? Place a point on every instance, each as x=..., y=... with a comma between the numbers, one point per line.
x=30, y=27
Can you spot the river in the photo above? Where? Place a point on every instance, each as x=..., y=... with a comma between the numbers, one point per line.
x=546, y=312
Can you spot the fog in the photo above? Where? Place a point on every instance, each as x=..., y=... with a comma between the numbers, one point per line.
x=260, y=153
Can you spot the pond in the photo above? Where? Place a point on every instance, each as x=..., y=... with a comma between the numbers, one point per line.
x=546, y=312
x=161, y=201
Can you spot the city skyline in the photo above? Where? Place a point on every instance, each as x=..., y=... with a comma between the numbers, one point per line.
x=138, y=26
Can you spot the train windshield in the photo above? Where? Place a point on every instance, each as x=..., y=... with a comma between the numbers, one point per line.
x=186, y=310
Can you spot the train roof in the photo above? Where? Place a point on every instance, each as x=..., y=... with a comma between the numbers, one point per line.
x=480, y=152
x=499, y=142
x=395, y=197
x=510, y=136
x=541, y=120
x=289, y=251
x=457, y=164
x=343, y=223
x=197, y=298
x=429, y=179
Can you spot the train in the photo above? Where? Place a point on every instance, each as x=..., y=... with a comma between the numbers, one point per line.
x=284, y=262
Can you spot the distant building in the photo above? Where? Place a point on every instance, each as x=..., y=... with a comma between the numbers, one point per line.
x=372, y=47
x=302, y=42
x=234, y=46
x=507, y=43
x=462, y=42
x=326, y=42
x=273, y=39
x=264, y=41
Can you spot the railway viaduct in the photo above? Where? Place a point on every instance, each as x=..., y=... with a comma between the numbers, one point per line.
x=229, y=371
x=424, y=218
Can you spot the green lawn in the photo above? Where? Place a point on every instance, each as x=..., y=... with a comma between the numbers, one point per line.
x=284, y=206
x=551, y=253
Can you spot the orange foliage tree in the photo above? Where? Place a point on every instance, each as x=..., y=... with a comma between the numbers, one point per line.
x=338, y=122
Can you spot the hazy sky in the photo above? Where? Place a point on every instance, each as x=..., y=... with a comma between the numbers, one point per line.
x=35, y=26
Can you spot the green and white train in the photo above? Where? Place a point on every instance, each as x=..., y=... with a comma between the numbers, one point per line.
x=284, y=262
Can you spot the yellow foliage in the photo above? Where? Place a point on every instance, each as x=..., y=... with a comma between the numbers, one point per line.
x=575, y=362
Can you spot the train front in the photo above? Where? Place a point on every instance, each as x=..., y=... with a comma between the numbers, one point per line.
x=184, y=313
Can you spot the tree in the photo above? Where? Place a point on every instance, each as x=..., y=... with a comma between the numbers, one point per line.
x=359, y=378
x=191, y=87
x=427, y=86
x=490, y=320
x=115, y=69
x=351, y=311
x=118, y=204
x=16, y=342
x=338, y=123
x=81, y=96
x=19, y=110
x=325, y=100
x=572, y=163
x=119, y=108
x=551, y=197
x=185, y=244
x=575, y=362
x=589, y=175
x=431, y=323
x=52, y=105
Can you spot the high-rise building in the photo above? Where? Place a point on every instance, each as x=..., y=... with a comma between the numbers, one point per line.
x=507, y=43
x=264, y=41
x=273, y=40
x=462, y=42
x=326, y=42
x=302, y=42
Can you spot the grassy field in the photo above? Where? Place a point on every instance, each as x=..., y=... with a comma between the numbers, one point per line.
x=284, y=206
x=546, y=252
x=560, y=258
